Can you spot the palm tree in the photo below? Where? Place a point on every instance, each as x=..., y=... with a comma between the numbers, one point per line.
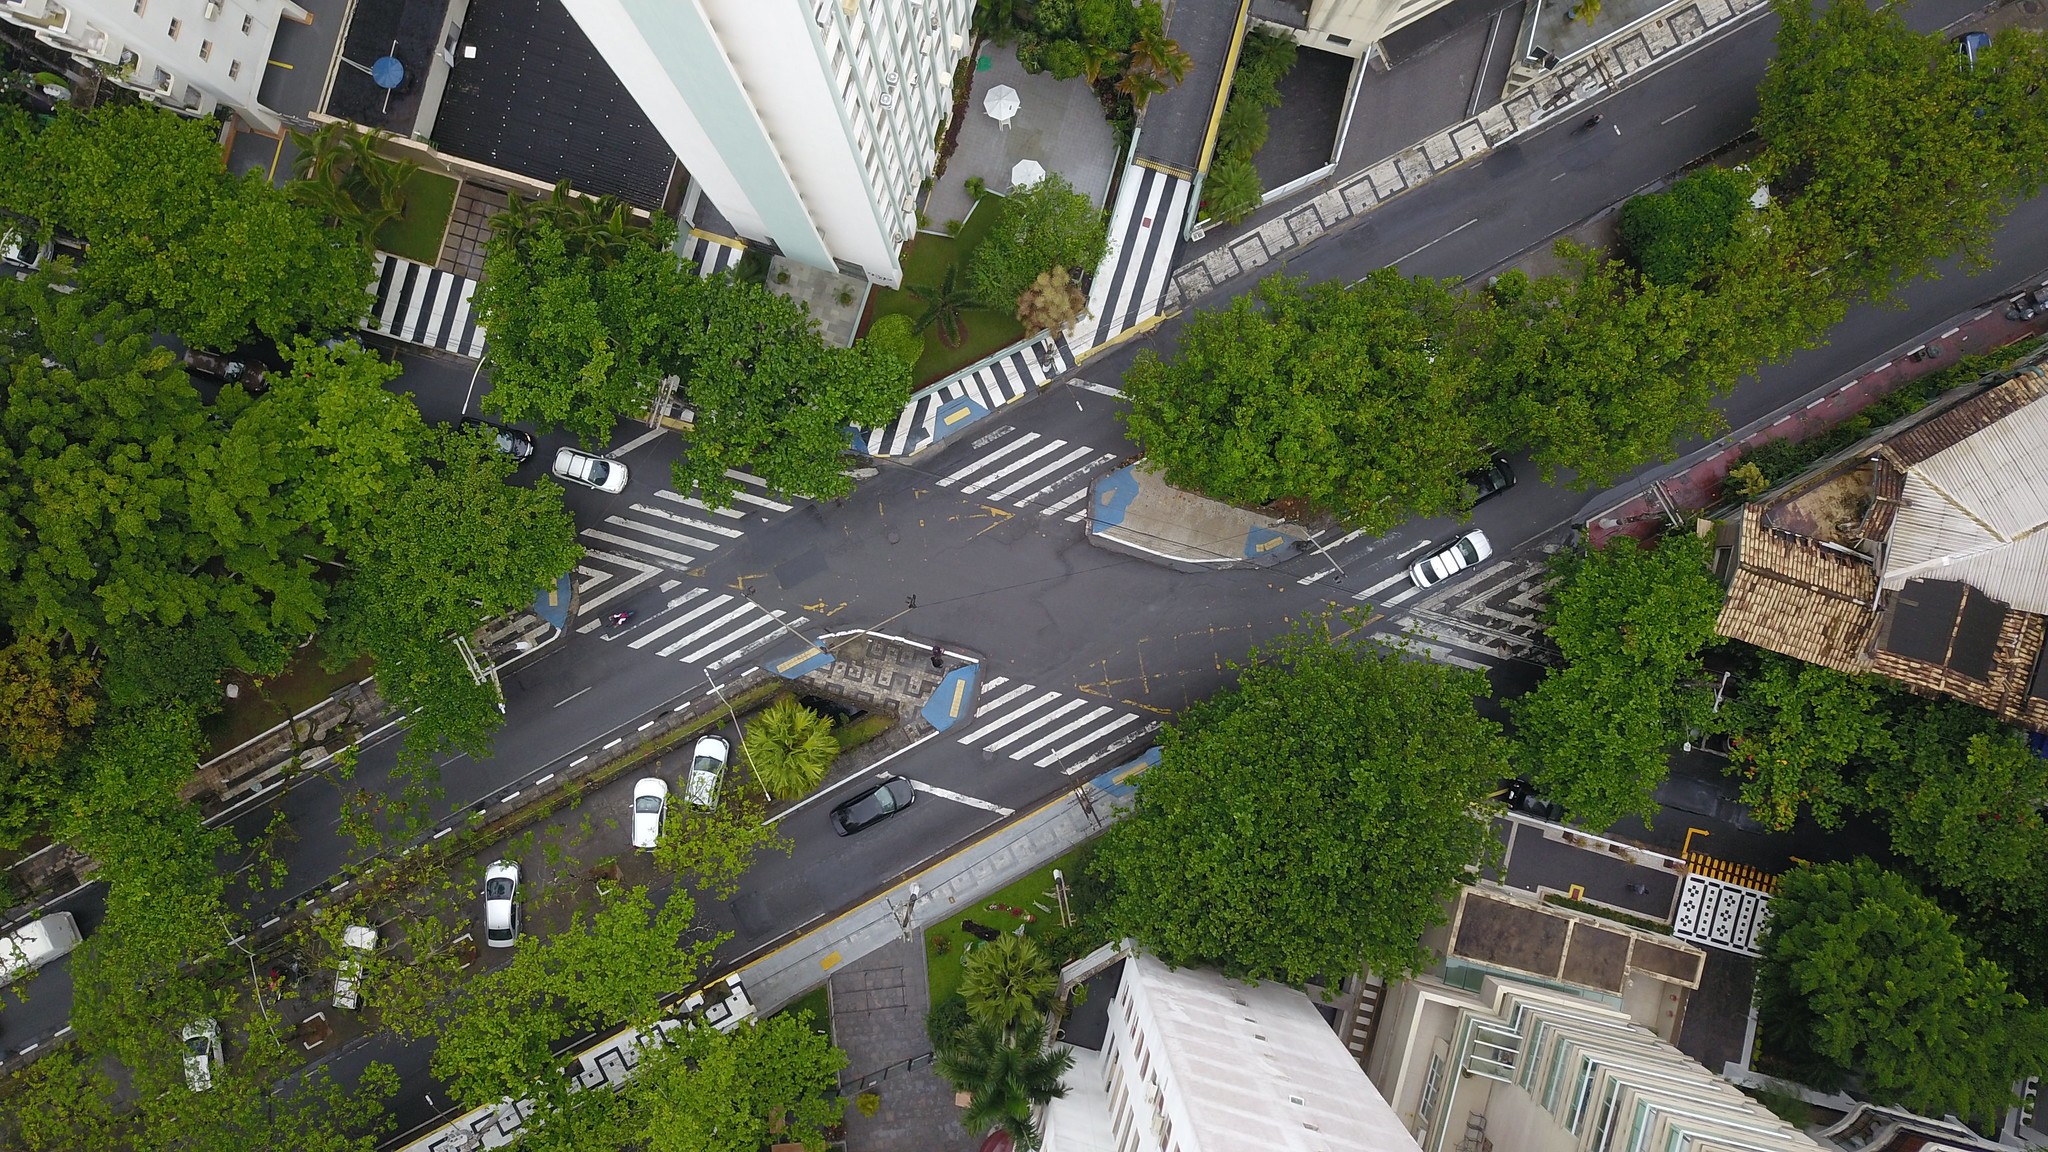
x=1003, y=1078
x=789, y=747
x=943, y=306
x=1009, y=983
x=1156, y=64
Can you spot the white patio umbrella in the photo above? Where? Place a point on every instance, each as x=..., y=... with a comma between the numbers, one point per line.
x=1001, y=102
x=1026, y=173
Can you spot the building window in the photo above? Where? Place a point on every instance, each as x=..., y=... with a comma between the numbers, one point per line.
x=248, y=22
x=177, y=26
x=1344, y=41
x=140, y=5
x=206, y=49
x=234, y=69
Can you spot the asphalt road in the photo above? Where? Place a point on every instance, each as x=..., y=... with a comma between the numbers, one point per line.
x=1025, y=588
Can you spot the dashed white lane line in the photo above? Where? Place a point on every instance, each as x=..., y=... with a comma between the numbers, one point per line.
x=957, y=798
x=1102, y=389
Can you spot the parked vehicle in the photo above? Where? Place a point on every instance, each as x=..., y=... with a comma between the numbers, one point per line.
x=202, y=1052
x=873, y=806
x=514, y=442
x=501, y=904
x=590, y=471
x=19, y=249
x=358, y=943
x=1490, y=481
x=707, y=770
x=1969, y=44
x=650, y=805
x=35, y=944
x=227, y=370
x=1462, y=553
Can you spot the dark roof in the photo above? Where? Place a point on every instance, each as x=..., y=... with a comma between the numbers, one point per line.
x=1945, y=623
x=407, y=29
x=539, y=100
x=1291, y=13
x=1087, y=1024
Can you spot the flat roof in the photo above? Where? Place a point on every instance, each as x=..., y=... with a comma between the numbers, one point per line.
x=537, y=99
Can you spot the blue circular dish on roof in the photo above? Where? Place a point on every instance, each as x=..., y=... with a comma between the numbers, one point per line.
x=387, y=72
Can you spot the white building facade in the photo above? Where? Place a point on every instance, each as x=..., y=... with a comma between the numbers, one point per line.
x=810, y=124
x=1345, y=27
x=190, y=56
x=1197, y=1062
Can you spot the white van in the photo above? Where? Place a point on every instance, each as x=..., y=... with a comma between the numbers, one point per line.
x=36, y=944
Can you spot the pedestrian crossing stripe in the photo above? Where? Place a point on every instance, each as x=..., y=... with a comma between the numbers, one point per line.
x=1145, y=229
x=1032, y=732
x=1041, y=458
x=937, y=410
x=425, y=306
x=712, y=254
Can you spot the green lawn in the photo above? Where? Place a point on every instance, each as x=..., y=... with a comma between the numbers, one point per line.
x=1033, y=894
x=818, y=1005
x=429, y=199
x=988, y=329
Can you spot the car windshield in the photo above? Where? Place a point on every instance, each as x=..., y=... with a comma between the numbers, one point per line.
x=598, y=471
x=196, y=1045
x=704, y=764
x=1466, y=550
x=885, y=800
x=647, y=804
x=498, y=888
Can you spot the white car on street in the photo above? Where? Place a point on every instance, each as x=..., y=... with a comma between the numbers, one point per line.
x=501, y=904
x=1463, y=553
x=707, y=769
x=358, y=943
x=202, y=1052
x=650, y=804
x=590, y=471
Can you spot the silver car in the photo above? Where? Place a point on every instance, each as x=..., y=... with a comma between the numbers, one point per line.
x=1462, y=553
x=590, y=471
x=501, y=904
x=202, y=1052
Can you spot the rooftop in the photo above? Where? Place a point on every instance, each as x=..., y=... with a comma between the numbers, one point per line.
x=538, y=100
x=406, y=29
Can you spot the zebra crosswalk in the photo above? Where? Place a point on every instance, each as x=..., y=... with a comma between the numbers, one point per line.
x=422, y=305
x=1050, y=728
x=707, y=628
x=1032, y=472
x=930, y=415
x=668, y=536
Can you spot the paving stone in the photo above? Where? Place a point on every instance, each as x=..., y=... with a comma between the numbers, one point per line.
x=1304, y=224
x=1468, y=138
x=1386, y=178
x=1359, y=195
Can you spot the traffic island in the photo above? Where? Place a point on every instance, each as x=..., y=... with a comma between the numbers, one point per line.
x=1136, y=512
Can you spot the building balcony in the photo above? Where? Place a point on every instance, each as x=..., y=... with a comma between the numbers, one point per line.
x=45, y=14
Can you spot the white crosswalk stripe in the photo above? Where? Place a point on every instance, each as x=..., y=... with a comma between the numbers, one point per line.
x=1049, y=728
x=1029, y=471
x=708, y=629
x=670, y=532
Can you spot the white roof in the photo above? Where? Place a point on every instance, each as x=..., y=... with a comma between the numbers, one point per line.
x=1975, y=512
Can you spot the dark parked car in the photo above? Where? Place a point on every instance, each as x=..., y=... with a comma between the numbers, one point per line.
x=1521, y=796
x=226, y=369
x=1491, y=480
x=514, y=442
x=878, y=803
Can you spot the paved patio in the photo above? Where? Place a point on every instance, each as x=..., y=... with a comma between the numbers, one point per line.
x=878, y=1008
x=1060, y=125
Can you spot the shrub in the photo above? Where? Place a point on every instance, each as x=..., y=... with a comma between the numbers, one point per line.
x=1037, y=229
x=1675, y=237
x=789, y=747
x=894, y=335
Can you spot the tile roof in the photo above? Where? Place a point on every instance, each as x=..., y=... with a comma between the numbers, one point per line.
x=1793, y=596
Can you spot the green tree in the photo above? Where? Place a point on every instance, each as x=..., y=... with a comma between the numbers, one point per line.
x=1801, y=733
x=1962, y=798
x=1677, y=236
x=765, y=1082
x=893, y=336
x=1037, y=229
x=215, y=257
x=1872, y=131
x=1864, y=974
x=711, y=848
x=1008, y=983
x=1334, y=395
x=1004, y=1077
x=789, y=748
x=1332, y=768
x=1630, y=622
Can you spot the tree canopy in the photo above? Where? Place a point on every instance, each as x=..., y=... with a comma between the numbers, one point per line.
x=214, y=256
x=1678, y=236
x=1630, y=622
x=1332, y=768
x=1862, y=973
x=1798, y=729
x=1045, y=226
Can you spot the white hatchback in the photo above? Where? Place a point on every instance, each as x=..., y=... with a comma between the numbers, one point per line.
x=1463, y=553
x=590, y=471
x=202, y=1052
x=650, y=804
x=707, y=770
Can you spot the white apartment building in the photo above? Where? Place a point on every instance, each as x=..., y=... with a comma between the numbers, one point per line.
x=810, y=124
x=1532, y=1069
x=1345, y=27
x=191, y=56
x=1193, y=1061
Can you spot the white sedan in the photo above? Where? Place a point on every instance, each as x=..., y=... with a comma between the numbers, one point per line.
x=650, y=804
x=590, y=471
x=1463, y=553
x=202, y=1052
x=501, y=904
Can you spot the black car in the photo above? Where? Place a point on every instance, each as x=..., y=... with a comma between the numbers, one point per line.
x=514, y=442
x=1491, y=480
x=227, y=369
x=878, y=803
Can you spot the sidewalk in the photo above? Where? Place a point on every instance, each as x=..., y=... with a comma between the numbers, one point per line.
x=1136, y=512
x=1694, y=483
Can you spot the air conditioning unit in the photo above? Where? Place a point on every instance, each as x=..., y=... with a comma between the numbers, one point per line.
x=212, y=9
x=924, y=46
x=892, y=79
x=888, y=99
